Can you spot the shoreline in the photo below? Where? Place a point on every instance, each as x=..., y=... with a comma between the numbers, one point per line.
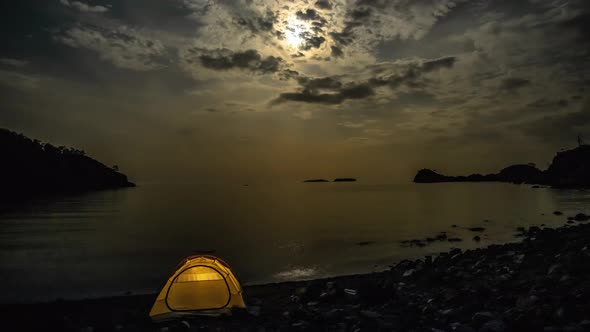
x=539, y=283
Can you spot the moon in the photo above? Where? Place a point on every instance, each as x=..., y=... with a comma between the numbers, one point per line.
x=294, y=32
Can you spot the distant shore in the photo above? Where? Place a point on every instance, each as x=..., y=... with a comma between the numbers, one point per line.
x=335, y=180
x=568, y=169
x=540, y=284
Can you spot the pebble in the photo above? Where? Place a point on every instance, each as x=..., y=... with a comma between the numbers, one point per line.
x=493, y=326
x=480, y=318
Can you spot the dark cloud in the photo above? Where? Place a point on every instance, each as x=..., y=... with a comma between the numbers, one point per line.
x=562, y=103
x=312, y=42
x=323, y=4
x=444, y=62
x=312, y=37
x=357, y=91
x=317, y=26
x=324, y=83
x=318, y=57
x=313, y=91
x=513, y=84
x=256, y=24
x=415, y=98
x=412, y=73
x=355, y=16
x=312, y=88
x=342, y=38
x=224, y=59
x=288, y=74
x=165, y=15
x=123, y=47
x=308, y=15
x=337, y=52
x=360, y=91
x=580, y=23
x=360, y=13
x=307, y=97
x=547, y=103
x=385, y=21
x=560, y=127
x=84, y=7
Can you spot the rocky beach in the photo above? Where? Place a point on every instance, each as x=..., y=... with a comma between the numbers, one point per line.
x=538, y=284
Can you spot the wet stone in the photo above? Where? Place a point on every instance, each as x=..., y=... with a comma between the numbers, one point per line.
x=493, y=326
x=480, y=318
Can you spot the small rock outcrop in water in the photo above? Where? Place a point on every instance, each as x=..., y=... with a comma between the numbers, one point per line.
x=569, y=168
x=345, y=180
x=335, y=180
x=30, y=168
x=316, y=180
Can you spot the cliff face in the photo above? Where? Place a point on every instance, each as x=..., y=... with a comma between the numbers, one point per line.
x=568, y=169
x=30, y=167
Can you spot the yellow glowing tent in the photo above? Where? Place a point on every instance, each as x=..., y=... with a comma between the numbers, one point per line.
x=201, y=284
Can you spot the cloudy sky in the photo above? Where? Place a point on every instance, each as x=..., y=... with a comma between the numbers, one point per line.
x=202, y=89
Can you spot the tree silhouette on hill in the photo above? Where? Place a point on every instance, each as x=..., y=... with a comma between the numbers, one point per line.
x=30, y=167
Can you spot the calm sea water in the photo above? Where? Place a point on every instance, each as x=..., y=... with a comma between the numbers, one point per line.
x=112, y=242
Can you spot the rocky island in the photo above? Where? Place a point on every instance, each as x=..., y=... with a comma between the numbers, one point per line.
x=31, y=168
x=570, y=168
x=335, y=180
x=316, y=180
x=345, y=180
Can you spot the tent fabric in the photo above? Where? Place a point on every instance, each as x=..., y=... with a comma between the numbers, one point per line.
x=200, y=284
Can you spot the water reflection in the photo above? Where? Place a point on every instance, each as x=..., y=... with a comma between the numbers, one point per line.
x=297, y=273
x=114, y=241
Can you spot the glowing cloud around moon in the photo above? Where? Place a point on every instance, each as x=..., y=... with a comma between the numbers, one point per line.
x=294, y=33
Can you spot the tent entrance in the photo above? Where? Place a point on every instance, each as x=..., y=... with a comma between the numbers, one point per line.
x=198, y=288
x=200, y=285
